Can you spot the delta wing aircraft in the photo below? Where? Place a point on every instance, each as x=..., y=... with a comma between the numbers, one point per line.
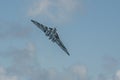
x=52, y=34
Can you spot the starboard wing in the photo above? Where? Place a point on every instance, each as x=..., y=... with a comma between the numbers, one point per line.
x=61, y=45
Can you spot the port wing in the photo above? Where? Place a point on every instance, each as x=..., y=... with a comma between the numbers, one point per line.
x=40, y=26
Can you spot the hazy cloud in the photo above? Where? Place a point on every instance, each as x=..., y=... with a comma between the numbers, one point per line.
x=55, y=10
x=4, y=76
x=101, y=77
x=110, y=63
x=117, y=75
x=25, y=65
x=80, y=71
x=14, y=31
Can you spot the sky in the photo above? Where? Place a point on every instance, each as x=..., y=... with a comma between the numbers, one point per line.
x=90, y=30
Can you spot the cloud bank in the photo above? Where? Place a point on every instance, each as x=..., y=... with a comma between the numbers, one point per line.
x=24, y=65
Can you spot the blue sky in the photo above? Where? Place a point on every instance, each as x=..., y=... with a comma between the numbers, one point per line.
x=88, y=28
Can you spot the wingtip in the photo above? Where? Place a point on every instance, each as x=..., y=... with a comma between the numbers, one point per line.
x=68, y=53
x=32, y=20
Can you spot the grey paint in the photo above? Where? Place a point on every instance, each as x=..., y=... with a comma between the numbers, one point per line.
x=52, y=34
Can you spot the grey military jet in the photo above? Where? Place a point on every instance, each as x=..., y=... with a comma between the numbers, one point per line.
x=52, y=34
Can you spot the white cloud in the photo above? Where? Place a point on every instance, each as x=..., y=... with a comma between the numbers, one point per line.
x=108, y=76
x=55, y=10
x=117, y=76
x=39, y=8
x=4, y=76
x=80, y=71
x=74, y=72
x=23, y=57
x=52, y=74
x=31, y=49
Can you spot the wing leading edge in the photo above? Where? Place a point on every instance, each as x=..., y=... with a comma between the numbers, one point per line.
x=52, y=34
